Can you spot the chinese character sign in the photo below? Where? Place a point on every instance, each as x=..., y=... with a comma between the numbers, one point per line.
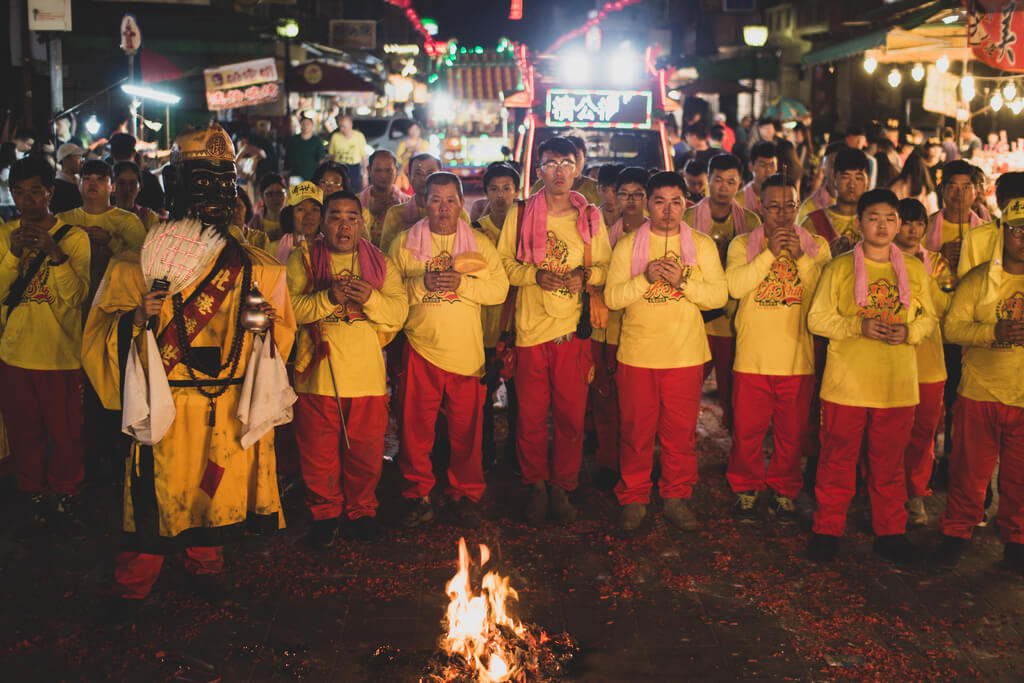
x=599, y=108
x=993, y=33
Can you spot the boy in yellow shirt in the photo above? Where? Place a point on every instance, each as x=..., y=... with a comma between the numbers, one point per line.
x=825, y=195
x=380, y=194
x=931, y=365
x=546, y=260
x=838, y=223
x=662, y=275
x=874, y=306
x=444, y=354
x=763, y=163
x=947, y=228
x=344, y=293
x=44, y=280
x=980, y=242
x=773, y=272
x=721, y=217
x=987, y=319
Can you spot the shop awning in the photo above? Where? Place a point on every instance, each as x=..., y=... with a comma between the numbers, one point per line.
x=325, y=77
x=479, y=77
x=905, y=15
x=764, y=66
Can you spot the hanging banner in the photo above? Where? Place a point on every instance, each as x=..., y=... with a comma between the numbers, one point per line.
x=940, y=95
x=995, y=31
x=241, y=85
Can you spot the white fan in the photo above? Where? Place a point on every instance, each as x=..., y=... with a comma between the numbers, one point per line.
x=178, y=252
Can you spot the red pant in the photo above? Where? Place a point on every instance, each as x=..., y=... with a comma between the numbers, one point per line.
x=40, y=408
x=920, y=455
x=760, y=400
x=604, y=401
x=842, y=432
x=723, y=352
x=424, y=387
x=339, y=479
x=553, y=377
x=663, y=403
x=135, y=573
x=984, y=432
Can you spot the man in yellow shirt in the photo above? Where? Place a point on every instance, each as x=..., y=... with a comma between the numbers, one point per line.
x=721, y=217
x=345, y=294
x=838, y=223
x=404, y=216
x=947, y=228
x=931, y=363
x=825, y=195
x=111, y=230
x=583, y=184
x=348, y=147
x=380, y=194
x=606, y=177
x=979, y=244
x=773, y=272
x=547, y=261
x=501, y=184
x=763, y=163
x=449, y=271
x=44, y=279
x=874, y=306
x=127, y=183
x=662, y=275
x=987, y=319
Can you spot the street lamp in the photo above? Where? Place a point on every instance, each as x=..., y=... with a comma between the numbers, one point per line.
x=287, y=29
x=754, y=36
x=150, y=94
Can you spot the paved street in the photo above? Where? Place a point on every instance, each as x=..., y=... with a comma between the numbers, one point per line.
x=731, y=602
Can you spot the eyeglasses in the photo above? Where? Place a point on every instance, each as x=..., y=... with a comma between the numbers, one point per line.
x=779, y=208
x=552, y=165
x=631, y=196
x=330, y=183
x=275, y=193
x=1016, y=232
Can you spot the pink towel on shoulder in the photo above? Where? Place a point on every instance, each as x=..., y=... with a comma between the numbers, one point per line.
x=860, y=274
x=534, y=240
x=641, y=255
x=933, y=240
x=418, y=241
x=372, y=266
x=410, y=212
x=702, y=217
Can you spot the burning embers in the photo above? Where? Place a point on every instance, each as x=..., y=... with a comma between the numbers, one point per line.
x=486, y=644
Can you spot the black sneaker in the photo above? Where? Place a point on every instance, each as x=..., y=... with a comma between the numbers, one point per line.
x=1013, y=555
x=120, y=613
x=745, y=508
x=363, y=529
x=949, y=552
x=606, y=479
x=896, y=548
x=210, y=587
x=467, y=513
x=324, y=533
x=822, y=548
x=418, y=511
x=561, y=509
x=783, y=508
x=537, y=507
x=68, y=521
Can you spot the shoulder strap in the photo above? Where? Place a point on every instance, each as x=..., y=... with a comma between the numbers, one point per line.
x=822, y=225
x=18, y=287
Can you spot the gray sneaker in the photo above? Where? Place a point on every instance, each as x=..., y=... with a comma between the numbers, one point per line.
x=916, y=514
x=678, y=511
x=418, y=511
x=632, y=516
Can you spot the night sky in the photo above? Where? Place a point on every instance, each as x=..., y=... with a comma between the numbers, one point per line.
x=484, y=22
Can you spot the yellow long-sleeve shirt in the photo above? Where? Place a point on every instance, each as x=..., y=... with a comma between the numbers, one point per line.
x=860, y=371
x=44, y=332
x=931, y=359
x=349, y=329
x=540, y=315
x=126, y=232
x=806, y=207
x=845, y=226
x=393, y=225
x=771, y=320
x=979, y=245
x=722, y=232
x=444, y=327
x=661, y=324
x=992, y=371
x=490, y=316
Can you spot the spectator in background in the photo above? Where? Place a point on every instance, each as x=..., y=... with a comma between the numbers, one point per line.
x=127, y=183
x=856, y=139
x=380, y=194
x=412, y=145
x=273, y=195
x=949, y=144
x=122, y=148
x=980, y=196
x=933, y=160
x=65, y=187
x=728, y=136
x=914, y=182
x=767, y=131
x=348, y=147
x=65, y=134
x=695, y=175
x=789, y=163
x=969, y=143
x=763, y=163
x=304, y=151
x=610, y=209
x=697, y=139
x=887, y=161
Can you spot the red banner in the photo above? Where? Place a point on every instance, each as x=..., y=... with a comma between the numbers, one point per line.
x=995, y=33
x=515, y=11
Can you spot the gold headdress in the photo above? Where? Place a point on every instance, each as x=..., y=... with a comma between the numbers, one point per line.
x=208, y=144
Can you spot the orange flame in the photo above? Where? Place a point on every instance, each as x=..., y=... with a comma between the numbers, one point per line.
x=473, y=620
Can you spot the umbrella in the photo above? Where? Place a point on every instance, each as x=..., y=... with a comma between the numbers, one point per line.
x=784, y=109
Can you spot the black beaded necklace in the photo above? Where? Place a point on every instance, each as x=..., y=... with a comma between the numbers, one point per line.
x=234, y=355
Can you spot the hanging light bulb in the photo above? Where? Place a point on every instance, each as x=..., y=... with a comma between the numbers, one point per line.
x=1016, y=106
x=967, y=88
x=1010, y=91
x=942, y=64
x=870, y=64
x=917, y=73
x=894, y=78
x=996, y=102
